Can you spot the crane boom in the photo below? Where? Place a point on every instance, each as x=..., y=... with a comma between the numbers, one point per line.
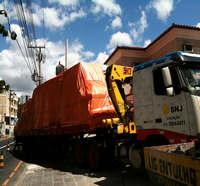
x=116, y=76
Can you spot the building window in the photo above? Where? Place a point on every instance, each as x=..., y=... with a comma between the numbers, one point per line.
x=188, y=48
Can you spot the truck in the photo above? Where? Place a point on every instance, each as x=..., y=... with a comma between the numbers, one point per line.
x=165, y=111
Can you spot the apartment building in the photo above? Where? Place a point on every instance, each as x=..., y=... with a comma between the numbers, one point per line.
x=8, y=111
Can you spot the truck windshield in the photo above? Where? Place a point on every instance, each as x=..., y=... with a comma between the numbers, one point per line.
x=191, y=76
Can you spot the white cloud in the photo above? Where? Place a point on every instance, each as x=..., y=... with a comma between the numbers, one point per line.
x=88, y=54
x=5, y=6
x=163, y=8
x=147, y=42
x=14, y=71
x=116, y=23
x=119, y=38
x=198, y=25
x=55, y=53
x=55, y=17
x=65, y=2
x=75, y=15
x=108, y=7
x=138, y=28
x=3, y=19
x=101, y=57
x=13, y=68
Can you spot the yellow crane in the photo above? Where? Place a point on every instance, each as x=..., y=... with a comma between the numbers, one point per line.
x=116, y=76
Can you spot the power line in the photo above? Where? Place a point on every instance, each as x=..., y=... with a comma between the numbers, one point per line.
x=28, y=31
x=27, y=63
x=9, y=27
x=27, y=43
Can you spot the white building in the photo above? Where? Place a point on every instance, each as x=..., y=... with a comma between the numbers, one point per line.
x=8, y=111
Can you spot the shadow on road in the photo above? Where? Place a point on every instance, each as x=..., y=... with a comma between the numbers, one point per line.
x=114, y=174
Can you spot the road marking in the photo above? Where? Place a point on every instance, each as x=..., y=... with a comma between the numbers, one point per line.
x=5, y=183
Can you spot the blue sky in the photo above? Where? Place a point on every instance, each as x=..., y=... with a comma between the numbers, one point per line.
x=93, y=28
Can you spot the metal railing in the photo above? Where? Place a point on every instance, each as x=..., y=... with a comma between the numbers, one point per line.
x=6, y=146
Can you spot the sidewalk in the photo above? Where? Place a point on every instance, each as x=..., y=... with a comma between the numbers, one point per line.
x=35, y=175
x=2, y=138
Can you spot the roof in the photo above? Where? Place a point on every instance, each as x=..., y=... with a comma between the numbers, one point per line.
x=174, y=25
x=123, y=47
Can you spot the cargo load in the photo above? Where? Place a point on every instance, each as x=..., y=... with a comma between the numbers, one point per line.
x=176, y=164
x=74, y=102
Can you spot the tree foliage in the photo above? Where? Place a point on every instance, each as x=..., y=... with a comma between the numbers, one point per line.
x=4, y=86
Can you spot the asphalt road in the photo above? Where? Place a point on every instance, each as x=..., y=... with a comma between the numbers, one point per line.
x=45, y=172
x=55, y=172
x=10, y=162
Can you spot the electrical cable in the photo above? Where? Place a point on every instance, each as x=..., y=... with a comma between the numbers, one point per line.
x=27, y=34
x=28, y=65
x=26, y=39
x=9, y=28
x=24, y=42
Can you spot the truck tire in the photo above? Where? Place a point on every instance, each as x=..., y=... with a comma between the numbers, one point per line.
x=80, y=155
x=136, y=157
x=93, y=157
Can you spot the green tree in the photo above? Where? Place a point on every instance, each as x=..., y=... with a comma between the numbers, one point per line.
x=3, y=86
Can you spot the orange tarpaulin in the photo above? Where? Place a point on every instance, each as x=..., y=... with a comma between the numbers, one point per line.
x=75, y=101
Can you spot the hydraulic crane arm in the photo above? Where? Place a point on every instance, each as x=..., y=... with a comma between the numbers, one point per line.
x=116, y=76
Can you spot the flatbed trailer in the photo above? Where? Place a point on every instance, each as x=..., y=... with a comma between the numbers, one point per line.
x=173, y=164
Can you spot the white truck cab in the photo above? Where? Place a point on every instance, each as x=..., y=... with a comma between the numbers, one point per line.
x=167, y=97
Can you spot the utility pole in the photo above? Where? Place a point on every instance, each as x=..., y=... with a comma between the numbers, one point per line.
x=39, y=59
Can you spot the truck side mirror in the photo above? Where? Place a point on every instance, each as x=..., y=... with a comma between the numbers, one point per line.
x=170, y=91
x=167, y=77
x=168, y=81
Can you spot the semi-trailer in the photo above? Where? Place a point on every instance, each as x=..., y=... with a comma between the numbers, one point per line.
x=66, y=115
x=166, y=110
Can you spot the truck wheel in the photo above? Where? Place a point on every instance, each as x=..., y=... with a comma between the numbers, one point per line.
x=93, y=157
x=136, y=157
x=79, y=155
x=122, y=151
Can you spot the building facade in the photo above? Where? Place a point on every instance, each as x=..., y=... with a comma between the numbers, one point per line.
x=8, y=111
x=175, y=38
